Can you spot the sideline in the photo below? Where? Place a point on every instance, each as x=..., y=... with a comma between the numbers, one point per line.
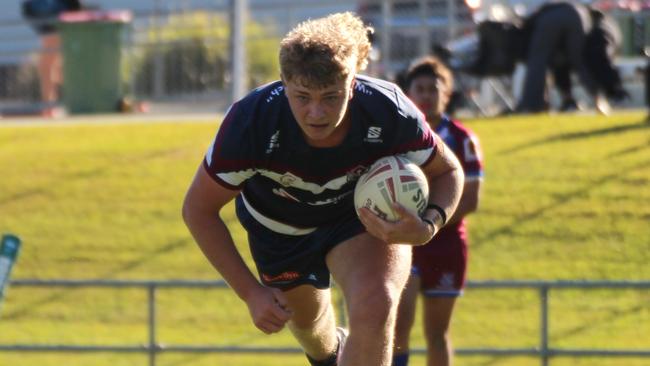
x=115, y=118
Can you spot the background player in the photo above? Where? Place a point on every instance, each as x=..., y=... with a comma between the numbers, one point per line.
x=439, y=266
x=43, y=15
x=290, y=154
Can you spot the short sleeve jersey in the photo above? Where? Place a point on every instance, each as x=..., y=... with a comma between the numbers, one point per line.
x=465, y=145
x=260, y=150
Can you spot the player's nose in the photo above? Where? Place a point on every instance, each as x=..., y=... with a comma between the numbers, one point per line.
x=315, y=111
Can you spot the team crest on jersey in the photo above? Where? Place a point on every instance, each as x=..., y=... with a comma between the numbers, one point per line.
x=288, y=179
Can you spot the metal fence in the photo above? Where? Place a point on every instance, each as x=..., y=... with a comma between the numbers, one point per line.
x=175, y=50
x=185, y=52
x=544, y=350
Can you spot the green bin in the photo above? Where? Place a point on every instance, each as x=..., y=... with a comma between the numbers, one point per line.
x=92, y=44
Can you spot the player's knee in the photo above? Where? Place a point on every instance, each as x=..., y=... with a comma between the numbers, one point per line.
x=311, y=320
x=438, y=338
x=374, y=305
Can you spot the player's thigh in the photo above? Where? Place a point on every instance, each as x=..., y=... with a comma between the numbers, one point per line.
x=363, y=264
x=437, y=314
x=308, y=304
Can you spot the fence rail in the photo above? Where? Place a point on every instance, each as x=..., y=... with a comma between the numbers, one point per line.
x=544, y=350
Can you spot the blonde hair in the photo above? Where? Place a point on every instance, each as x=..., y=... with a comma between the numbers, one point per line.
x=322, y=51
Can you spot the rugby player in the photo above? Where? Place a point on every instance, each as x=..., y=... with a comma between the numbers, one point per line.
x=289, y=154
x=439, y=266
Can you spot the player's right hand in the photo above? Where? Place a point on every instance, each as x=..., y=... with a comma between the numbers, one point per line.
x=269, y=309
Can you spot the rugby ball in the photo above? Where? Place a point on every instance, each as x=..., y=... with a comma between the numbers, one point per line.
x=392, y=179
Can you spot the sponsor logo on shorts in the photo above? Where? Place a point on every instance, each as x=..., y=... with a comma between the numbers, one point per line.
x=447, y=281
x=282, y=277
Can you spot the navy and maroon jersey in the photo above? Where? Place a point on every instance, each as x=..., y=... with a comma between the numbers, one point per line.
x=291, y=187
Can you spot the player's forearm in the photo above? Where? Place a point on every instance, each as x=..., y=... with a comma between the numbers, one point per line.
x=445, y=191
x=215, y=241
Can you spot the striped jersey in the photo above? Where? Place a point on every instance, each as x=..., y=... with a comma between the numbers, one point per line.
x=291, y=187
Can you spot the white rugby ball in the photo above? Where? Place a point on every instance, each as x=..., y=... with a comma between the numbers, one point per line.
x=392, y=179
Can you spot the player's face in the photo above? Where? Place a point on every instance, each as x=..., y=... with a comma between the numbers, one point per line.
x=320, y=112
x=430, y=95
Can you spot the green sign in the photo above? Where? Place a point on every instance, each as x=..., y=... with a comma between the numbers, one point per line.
x=8, y=253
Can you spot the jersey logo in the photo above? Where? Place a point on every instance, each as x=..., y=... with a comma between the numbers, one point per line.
x=471, y=150
x=282, y=193
x=273, y=142
x=362, y=88
x=274, y=93
x=355, y=173
x=374, y=135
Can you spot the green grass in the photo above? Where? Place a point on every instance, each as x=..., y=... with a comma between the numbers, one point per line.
x=565, y=197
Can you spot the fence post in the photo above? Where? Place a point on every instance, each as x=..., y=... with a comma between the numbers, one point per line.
x=238, y=62
x=159, y=47
x=543, y=337
x=153, y=347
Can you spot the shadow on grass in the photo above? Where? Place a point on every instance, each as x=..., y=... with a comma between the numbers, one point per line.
x=631, y=150
x=558, y=200
x=578, y=135
x=29, y=308
x=613, y=315
x=23, y=195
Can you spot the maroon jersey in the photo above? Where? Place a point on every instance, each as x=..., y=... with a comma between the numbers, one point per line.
x=442, y=262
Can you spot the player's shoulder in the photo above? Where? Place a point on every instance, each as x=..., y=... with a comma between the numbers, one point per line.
x=252, y=121
x=381, y=98
x=265, y=98
x=459, y=128
x=258, y=111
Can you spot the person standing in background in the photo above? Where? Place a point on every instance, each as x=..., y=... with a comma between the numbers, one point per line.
x=43, y=16
x=556, y=27
x=439, y=267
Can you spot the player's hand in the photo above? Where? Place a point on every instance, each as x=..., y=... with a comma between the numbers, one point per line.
x=269, y=309
x=408, y=229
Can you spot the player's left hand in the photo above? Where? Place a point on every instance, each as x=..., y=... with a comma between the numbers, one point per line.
x=408, y=229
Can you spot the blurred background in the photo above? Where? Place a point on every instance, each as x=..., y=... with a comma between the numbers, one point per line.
x=109, y=275
x=197, y=55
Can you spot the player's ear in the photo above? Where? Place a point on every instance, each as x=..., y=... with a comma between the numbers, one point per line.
x=352, y=84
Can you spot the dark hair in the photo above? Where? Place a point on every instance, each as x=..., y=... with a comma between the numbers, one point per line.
x=429, y=66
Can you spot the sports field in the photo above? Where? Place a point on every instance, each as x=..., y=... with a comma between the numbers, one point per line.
x=565, y=197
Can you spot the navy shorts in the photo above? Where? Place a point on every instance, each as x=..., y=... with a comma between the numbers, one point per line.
x=286, y=261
